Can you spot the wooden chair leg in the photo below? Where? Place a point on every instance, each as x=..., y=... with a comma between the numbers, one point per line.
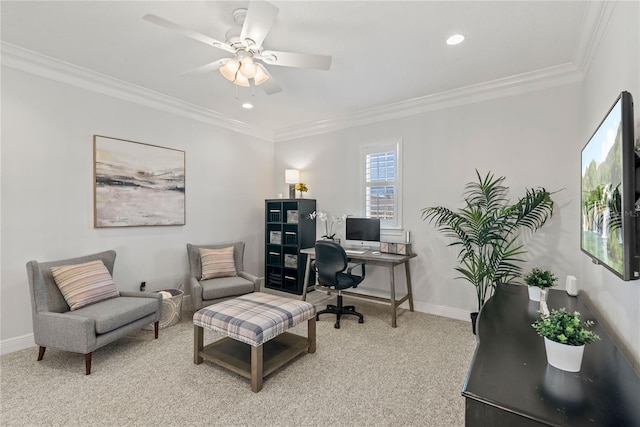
x=156, y=327
x=87, y=363
x=41, y=352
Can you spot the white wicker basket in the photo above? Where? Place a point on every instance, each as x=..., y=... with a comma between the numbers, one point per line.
x=171, y=309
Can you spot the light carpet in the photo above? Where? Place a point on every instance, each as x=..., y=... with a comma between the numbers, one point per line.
x=366, y=374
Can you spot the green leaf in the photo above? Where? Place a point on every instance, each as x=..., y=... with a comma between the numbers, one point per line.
x=486, y=230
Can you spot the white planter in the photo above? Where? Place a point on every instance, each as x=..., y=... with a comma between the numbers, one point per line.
x=537, y=294
x=563, y=356
x=534, y=293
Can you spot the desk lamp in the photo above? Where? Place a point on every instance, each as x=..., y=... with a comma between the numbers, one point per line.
x=292, y=177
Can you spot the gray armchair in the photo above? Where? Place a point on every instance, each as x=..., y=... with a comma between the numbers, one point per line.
x=207, y=292
x=90, y=327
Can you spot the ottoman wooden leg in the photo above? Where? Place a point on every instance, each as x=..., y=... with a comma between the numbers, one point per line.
x=198, y=340
x=311, y=334
x=256, y=368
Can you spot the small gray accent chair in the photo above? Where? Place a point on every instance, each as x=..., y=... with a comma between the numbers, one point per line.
x=211, y=291
x=90, y=327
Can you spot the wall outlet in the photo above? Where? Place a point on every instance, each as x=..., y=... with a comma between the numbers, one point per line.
x=143, y=285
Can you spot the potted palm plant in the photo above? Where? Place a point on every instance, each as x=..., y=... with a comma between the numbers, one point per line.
x=486, y=230
x=564, y=338
x=538, y=280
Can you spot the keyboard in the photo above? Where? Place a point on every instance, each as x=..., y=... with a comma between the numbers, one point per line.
x=354, y=251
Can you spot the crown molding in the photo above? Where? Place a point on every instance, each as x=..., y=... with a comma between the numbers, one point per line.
x=560, y=75
x=50, y=68
x=594, y=23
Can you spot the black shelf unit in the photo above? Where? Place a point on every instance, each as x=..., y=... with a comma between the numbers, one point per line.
x=288, y=229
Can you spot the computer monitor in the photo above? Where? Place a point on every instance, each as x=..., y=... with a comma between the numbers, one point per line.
x=362, y=232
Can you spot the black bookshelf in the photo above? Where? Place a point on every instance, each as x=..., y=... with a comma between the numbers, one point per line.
x=288, y=229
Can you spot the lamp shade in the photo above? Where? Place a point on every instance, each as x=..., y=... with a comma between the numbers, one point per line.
x=248, y=67
x=261, y=75
x=241, y=80
x=291, y=176
x=230, y=69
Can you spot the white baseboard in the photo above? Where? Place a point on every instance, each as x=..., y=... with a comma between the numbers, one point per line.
x=440, y=310
x=422, y=307
x=15, y=344
x=20, y=343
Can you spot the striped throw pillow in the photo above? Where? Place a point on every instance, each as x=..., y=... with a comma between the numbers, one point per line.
x=84, y=284
x=217, y=263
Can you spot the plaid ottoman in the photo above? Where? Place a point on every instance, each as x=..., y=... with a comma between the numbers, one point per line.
x=254, y=326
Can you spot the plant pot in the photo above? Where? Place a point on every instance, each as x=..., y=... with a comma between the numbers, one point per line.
x=534, y=293
x=563, y=356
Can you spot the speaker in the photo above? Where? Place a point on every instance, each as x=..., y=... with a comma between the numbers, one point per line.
x=572, y=286
x=395, y=248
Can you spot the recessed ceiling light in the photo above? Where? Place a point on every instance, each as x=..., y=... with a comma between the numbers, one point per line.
x=247, y=106
x=455, y=39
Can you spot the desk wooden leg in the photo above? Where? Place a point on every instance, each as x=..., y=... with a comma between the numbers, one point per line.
x=409, y=291
x=198, y=341
x=256, y=368
x=392, y=289
x=305, y=282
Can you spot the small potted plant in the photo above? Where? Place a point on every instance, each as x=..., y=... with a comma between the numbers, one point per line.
x=564, y=338
x=329, y=231
x=302, y=188
x=537, y=280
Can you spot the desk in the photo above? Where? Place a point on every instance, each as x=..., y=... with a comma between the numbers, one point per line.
x=385, y=260
x=510, y=384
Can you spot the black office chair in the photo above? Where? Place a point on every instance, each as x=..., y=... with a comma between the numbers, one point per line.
x=330, y=264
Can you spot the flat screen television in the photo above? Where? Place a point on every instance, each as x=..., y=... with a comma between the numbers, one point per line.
x=609, y=219
x=362, y=232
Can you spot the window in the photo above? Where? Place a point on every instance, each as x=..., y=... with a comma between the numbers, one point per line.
x=382, y=183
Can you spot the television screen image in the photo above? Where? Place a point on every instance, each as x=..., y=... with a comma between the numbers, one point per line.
x=608, y=184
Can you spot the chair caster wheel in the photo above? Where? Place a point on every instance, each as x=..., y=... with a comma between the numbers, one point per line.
x=318, y=318
x=337, y=326
x=360, y=320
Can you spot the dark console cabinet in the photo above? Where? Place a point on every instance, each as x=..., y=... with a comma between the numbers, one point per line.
x=288, y=229
x=509, y=382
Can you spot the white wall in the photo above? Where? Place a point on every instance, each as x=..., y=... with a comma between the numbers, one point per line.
x=533, y=139
x=615, y=67
x=47, y=190
x=530, y=139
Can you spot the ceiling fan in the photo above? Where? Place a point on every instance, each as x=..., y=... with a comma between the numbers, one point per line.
x=247, y=65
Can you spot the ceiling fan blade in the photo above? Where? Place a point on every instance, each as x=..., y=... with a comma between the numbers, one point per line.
x=260, y=17
x=188, y=32
x=212, y=66
x=298, y=60
x=270, y=86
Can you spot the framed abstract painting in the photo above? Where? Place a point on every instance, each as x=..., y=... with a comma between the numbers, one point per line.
x=137, y=184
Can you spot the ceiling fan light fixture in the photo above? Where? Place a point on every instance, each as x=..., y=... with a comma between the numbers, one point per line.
x=248, y=67
x=261, y=75
x=230, y=69
x=241, y=80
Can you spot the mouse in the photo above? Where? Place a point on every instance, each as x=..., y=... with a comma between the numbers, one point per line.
x=376, y=252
